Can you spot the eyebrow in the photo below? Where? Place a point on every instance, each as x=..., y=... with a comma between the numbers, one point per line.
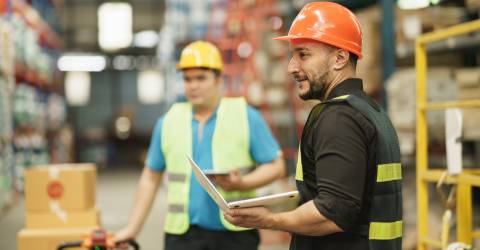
x=303, y=49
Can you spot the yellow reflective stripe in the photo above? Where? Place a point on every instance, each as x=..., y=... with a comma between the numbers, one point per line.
x=385, y=230
x=342, y=97
x=299, y=170
x=389, y=172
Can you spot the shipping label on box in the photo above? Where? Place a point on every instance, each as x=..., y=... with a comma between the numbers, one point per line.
x=60, y=188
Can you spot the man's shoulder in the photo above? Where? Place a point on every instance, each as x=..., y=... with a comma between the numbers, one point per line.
x=342, y=114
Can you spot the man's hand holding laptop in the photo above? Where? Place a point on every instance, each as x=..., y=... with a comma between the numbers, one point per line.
x=217, y=197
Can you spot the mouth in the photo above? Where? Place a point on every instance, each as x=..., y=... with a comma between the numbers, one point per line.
x=299, y=79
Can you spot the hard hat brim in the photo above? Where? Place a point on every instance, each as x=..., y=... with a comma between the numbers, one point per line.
x=324, y=40
x=283, y=38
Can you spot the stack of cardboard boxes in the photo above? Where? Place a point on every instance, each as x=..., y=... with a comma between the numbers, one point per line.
x=468, y=80
x=60, y=205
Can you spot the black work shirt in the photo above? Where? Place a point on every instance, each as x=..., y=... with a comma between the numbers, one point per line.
x=338, y=159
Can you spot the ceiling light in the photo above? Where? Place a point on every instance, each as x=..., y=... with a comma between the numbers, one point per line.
x=77, y=88
x=82, y=62
x=150, y=87
x=114, y=25
x=146, y=39
x=412, y=4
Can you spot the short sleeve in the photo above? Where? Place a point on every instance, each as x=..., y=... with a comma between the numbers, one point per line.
x=263, y=146
x=155, y=159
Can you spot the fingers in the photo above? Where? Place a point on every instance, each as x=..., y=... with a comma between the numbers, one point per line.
x=235, y=220
x=234, y=174
x=122, y=245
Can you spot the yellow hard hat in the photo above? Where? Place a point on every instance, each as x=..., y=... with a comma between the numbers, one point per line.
x=200, y=54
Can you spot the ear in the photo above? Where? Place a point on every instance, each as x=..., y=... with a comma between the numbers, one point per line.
x=341, y=59
x=218, y=80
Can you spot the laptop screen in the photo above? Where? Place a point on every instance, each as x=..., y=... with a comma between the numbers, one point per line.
x=208, y=185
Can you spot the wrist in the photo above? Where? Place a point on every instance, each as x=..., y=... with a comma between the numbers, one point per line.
x=133, y=230
x=275, y=221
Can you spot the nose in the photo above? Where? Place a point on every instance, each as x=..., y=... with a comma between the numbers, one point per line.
x=293, y=66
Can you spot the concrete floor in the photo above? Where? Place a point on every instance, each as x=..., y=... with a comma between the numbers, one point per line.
x=115, y=192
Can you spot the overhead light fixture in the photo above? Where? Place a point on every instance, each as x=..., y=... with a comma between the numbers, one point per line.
x=150, y=87
x=114, y=25
x=146, y=39
x=123, y=62
x=82, y=62
x=123, y=127
x=412, y=4
x=77, y=88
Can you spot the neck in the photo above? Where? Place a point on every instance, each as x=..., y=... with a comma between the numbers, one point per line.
x=337, y=79
x=203, y=112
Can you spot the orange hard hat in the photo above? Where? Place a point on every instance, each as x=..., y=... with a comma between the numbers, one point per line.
x=328, y=23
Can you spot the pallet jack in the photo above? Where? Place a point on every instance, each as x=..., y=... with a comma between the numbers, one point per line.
x=99, y=239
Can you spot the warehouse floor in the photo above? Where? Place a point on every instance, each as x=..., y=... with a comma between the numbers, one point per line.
x=115, y=192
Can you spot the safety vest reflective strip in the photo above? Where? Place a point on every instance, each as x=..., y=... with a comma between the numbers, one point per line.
x=230, y=144
x=385, y=230
x=389, y=172
x=299, y=170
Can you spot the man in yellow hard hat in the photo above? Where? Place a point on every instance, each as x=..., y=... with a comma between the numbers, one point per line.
x=221, y=134
x=348, y=171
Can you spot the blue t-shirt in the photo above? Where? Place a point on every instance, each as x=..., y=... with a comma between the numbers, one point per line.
x=203, y=211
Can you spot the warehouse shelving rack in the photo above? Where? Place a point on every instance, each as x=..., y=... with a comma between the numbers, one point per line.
x=464, y=181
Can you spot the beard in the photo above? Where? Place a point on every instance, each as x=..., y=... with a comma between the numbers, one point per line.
x=317, y=87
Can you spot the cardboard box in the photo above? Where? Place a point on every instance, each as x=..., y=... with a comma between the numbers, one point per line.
x=468, y=78
x=471, y=130
x=49, y=239
x=472, y=5
x=63, y=219
x=68, y=187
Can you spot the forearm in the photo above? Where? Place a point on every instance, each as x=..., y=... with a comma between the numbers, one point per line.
x=264, y=174
x=147, y=187
x=305, y=220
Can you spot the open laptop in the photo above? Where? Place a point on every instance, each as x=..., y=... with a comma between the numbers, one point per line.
x=224, y=205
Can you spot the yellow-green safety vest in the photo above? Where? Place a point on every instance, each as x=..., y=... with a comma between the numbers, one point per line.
x=230, y=150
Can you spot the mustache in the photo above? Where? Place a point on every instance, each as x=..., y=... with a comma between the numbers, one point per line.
x=299, y=78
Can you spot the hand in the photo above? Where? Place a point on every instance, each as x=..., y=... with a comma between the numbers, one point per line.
x=123, y=236
x=233, y=182
x=254, y=217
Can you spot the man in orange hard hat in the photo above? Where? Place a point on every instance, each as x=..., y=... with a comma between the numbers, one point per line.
x=221, y=134
x=348, y=170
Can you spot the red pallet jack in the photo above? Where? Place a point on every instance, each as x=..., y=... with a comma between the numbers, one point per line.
x=98, y=240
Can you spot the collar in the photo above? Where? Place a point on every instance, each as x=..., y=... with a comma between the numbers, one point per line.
x=348, y=86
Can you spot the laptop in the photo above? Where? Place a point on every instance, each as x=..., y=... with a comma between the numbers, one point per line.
x=252, y=202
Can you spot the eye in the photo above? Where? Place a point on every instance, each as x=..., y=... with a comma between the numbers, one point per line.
x=302, y=55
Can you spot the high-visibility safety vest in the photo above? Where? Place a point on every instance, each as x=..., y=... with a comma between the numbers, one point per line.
x=385, y=217
x=230, y=150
